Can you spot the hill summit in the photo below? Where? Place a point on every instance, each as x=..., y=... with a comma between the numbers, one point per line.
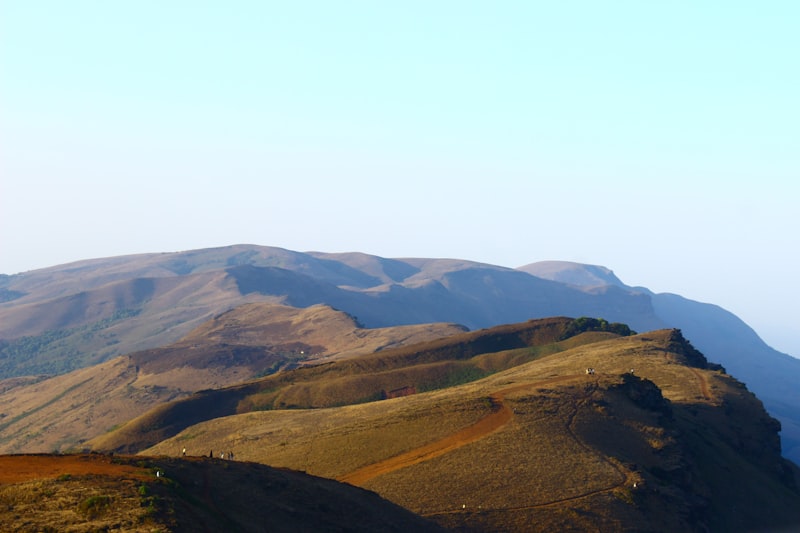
x=94, y=492
x=554, y=424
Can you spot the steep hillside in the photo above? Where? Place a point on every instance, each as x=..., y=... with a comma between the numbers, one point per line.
x=256, y=339
x=58, y=319
x=87, y=493
x=771, y=375
x=653, y=440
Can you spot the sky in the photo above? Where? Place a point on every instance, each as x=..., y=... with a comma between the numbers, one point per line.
x=658, y=139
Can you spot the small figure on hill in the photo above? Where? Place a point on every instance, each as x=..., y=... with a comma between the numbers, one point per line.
x=230, y=456
x=184, y=452
x=211, y=454
x=222, y=455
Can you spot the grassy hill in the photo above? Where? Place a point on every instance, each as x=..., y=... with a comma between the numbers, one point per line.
x=59, y=413
x=88, y=493
x=59, y=319
x=500, y=429
x=654, y=440
x=71, y=316
x=436, y=364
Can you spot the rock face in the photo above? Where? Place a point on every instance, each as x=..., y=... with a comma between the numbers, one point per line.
x=645, y=394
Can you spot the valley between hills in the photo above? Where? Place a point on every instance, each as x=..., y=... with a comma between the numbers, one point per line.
x=501, y=429
x=268, y=415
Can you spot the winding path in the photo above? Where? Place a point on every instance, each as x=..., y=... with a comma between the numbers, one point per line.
x=625, y=477
x=500, y=416
x=702, y=379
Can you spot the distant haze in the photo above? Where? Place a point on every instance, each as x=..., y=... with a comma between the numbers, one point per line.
x=660, y=141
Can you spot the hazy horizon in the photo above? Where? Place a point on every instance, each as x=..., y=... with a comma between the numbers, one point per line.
x=660, y=141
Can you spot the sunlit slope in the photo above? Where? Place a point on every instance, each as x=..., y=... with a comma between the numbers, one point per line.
x=401, y=371
x=654, y=440
x=62, y=412
x=70, y=316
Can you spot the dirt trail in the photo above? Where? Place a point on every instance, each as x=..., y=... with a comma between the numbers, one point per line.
x=703, y=381
x=500, y=416
x=21, y=468
x=625, y=477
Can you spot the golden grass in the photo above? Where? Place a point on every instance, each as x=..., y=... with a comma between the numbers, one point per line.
x=567, y=459
x=330, y=442
x=73, y=505
x=61, y=413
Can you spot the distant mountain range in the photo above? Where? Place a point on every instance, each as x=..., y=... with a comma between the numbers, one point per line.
x=66, y=317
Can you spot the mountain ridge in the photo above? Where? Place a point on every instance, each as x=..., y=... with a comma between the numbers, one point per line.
x=236, y=346
x=377, y=291
x=654, y=440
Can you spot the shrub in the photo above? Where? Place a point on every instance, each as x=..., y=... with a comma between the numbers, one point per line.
x=584, y=323
x=94, y=505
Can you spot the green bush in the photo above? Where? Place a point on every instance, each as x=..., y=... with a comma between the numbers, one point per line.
x=585, y=323
x=94, y=505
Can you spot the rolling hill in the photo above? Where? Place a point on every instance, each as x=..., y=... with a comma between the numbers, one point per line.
x=87, y=493
x=656, y=439
x=67, y=317
x=393, y=372
x=59, y=413
x=497, y=429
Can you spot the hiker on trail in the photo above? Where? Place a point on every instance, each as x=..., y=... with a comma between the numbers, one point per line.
x=222, y=455
x=211, y=454
x=184, y=452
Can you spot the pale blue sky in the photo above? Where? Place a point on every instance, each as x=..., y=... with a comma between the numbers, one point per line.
x=659, y=139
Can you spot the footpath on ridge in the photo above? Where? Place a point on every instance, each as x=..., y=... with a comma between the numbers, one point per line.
x=500, y=416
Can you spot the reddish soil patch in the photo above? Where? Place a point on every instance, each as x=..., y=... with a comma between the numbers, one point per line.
x=21, y=468
x=497, y=419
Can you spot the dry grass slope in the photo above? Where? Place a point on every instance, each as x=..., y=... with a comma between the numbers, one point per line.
x=88, y=493
x=425, y=366
x=60, y=413
x=543, y=446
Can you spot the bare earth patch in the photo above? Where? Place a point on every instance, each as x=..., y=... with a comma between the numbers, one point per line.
x=21, y=468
